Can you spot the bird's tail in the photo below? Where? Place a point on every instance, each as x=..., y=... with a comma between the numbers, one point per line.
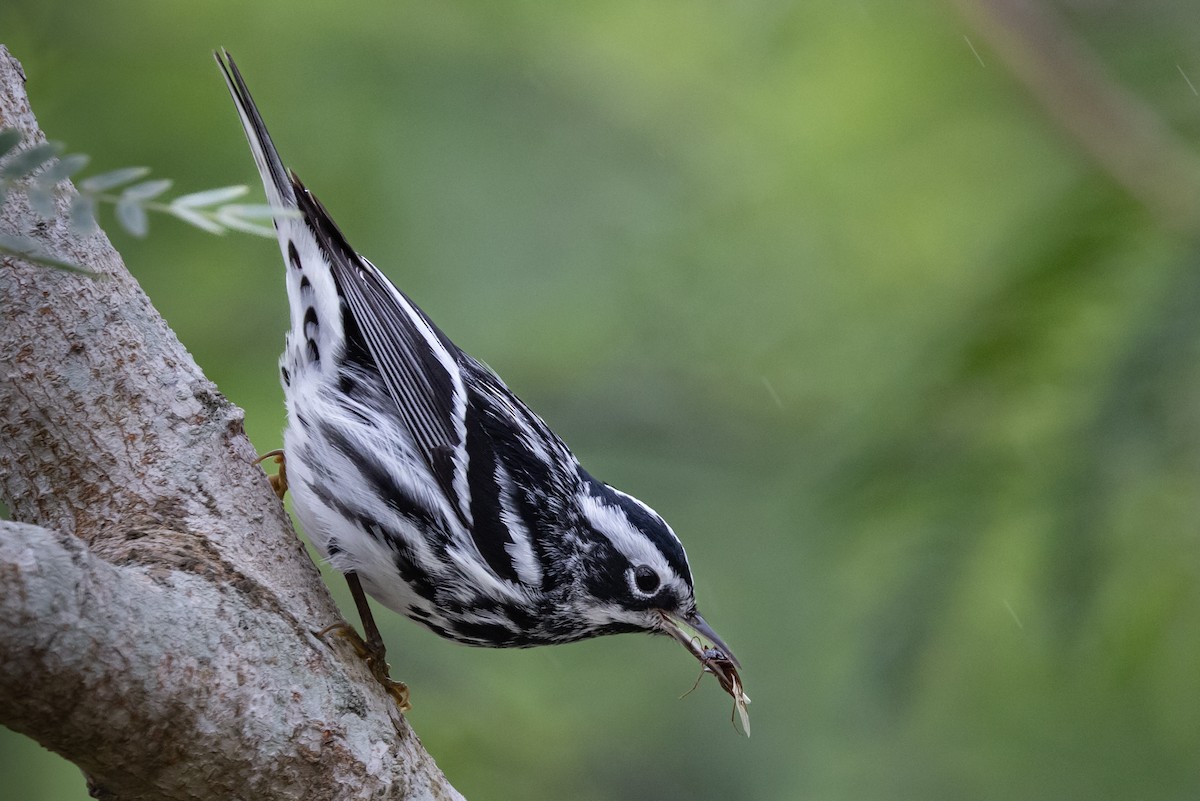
x=313, y=299
x=275, y=178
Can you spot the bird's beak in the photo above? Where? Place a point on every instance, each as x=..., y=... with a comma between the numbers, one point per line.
x=700, y=640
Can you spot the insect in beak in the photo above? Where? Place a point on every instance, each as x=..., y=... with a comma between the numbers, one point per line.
x=694, y=633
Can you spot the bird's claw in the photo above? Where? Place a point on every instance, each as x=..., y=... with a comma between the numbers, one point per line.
x=375, y=657
x=279, y=481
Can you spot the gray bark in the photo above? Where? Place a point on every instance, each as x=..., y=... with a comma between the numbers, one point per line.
x=156, y=608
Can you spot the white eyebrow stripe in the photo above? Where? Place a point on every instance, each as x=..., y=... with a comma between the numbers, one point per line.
x=615, y=526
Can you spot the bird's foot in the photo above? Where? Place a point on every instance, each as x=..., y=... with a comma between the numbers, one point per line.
x=374, y=655
x=279, y=481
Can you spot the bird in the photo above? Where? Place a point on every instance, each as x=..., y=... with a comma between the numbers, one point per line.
x=421, y=476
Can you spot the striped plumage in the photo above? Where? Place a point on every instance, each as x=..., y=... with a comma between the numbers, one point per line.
x=415, y=468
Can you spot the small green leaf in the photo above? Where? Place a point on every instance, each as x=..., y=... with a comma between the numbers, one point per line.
x=26, y=161
x=9, y=138
x=209, y=197
x=146, y=190
x=82, y=214
x=62, y=169
x=132, y=217
x=192, y=217
x=15, y=243
x=258, y=211
x=29, y=250
x=230, y=217
x=110, y=180
x=42, y=202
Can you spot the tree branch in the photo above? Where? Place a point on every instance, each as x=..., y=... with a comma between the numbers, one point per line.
x=157, y=617
x=1126, y=138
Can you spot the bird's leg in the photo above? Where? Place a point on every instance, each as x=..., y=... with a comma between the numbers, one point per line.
x=371, y=649
x=279, y=481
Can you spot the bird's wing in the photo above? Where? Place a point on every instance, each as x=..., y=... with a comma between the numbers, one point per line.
x=417, y=362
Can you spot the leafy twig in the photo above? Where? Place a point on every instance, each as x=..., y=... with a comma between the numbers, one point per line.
x=39, y=170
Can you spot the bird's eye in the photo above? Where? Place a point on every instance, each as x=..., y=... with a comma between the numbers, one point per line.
x=645, y=578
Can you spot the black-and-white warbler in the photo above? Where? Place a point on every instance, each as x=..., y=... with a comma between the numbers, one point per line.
x=416, y=471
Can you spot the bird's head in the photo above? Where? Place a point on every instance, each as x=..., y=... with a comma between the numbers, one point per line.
x=636, y=574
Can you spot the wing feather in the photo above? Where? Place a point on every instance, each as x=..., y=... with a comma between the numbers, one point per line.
x=417, y=362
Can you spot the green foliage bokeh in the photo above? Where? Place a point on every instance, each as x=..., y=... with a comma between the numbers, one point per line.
x=915, y=380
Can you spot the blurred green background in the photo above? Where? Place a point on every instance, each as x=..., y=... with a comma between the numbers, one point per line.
x=914, y=376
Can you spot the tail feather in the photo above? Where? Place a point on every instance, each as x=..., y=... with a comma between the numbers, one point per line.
x=275, y=178
x=316, y=332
